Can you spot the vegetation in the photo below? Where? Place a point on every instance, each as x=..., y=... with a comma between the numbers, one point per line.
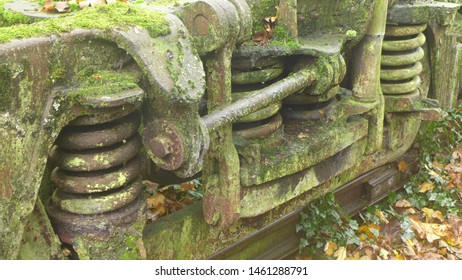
x=422, y=221
x=117, y=15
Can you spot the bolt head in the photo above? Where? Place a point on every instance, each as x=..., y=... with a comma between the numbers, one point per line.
x=161, y=147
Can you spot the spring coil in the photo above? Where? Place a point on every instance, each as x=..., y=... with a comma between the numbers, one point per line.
x=401, y=55
x=316, y=103
x=251, y=76
x=98, y=163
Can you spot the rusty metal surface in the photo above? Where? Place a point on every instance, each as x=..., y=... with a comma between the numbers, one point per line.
x=259, y=99
x=352, y=197
x=97, y=136
x=97, y=203
x=165, y=143
x=263, y=130
x=101, y=226
x=96, y=181
x=98, y=116
x=96, y=159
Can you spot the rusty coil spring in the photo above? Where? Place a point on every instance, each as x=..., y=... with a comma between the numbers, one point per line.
x=401, y=55
x=316, y=103
x=98, y=163
x=248, y=76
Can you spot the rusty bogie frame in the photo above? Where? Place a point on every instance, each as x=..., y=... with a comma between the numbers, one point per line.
x=336, y=92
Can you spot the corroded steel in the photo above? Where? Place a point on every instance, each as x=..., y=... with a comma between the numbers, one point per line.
x=349, y=101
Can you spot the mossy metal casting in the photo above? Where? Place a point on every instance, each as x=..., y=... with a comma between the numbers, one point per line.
x=107, y=93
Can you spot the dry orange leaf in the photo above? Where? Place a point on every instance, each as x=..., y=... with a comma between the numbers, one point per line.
x=402, y=166
x=330, y=248
x=48, y=6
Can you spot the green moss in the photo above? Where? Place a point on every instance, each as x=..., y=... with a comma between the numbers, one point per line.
x=5, y=87
x=282, y=38
x=94, y=82
x=117, y=15
x=160, y=2
x=9, y=18
x=132, y=252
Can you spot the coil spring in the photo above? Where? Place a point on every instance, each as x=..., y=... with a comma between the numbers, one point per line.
x=251, y=76
x=98, y=164
x=401, y=55
x=315, y=102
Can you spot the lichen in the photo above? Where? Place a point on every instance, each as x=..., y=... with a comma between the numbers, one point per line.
x=117, y=15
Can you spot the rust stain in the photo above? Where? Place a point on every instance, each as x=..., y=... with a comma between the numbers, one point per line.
x=6, y=191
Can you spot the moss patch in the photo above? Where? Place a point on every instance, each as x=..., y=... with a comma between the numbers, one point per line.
x=94, y=82
x=8, y=18
x=5, y=87
x=117, y=15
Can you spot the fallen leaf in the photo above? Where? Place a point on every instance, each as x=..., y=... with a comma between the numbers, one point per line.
x=431, y=214
x=384, y=254
x=426, y=187
x=382, y=217
x=158, y=203
x=402, y=166
x=48, y=6
x=340, y=254
x=371, y=231
x=432, y=256
x=403, y=203
x=302, y=135
x=330, y=248
x=431, y=232
x=62, y=6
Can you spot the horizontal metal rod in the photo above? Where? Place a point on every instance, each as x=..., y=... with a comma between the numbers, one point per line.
x=259, y=99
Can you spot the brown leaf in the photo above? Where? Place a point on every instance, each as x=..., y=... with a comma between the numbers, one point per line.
x=330, y=248
x=48, y=6
x=402, y=166
x=403, y=203
x=432, y=256
x=62, y=6
x=158, y=203
x=426, y=187
x=456, y=224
